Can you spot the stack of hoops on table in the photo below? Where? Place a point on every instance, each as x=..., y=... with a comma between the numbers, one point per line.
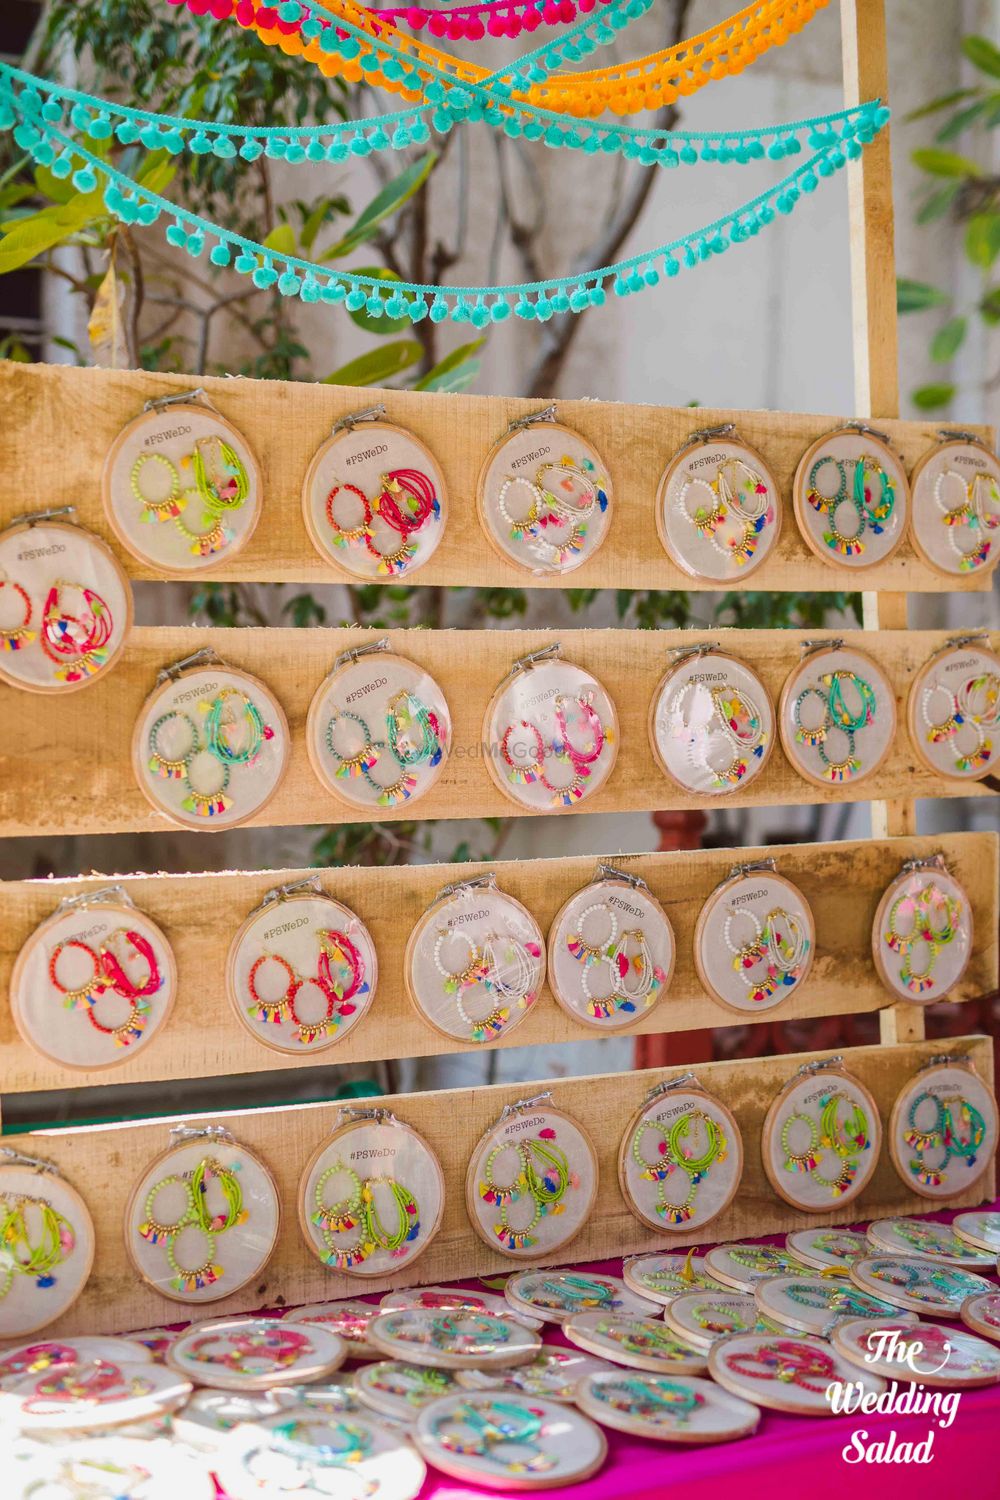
x=512, y=1391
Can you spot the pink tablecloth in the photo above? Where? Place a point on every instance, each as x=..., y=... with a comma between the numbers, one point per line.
x=797, y=1457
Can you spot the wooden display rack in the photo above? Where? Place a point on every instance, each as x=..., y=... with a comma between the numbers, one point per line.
x=87, y=788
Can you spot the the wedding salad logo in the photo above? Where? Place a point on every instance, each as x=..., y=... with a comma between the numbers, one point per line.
x=905, y=1358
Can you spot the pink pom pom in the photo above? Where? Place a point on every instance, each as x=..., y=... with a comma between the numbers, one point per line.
x=548, y=1134
x=438, y=24
x=474, y=29
x=222, y=9
x=456, y=29
x=496, y=27
x=567, y=10
x=551, y=12
x=531, y=20
x=415, y=17
x=245, y=13
x=267, y=17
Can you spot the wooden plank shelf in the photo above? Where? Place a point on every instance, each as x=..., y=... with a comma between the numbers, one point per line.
x=59, y=423
x=67, y=768
x=843, y=883
x=103, y=1163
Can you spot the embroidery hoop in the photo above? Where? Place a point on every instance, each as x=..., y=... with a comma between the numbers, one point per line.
x=550, y=657
x=898, y=1119
x=608, y=875
x=709, y=654
x=230, y=1380
x=721, y=894
x=834, y=1072
x=146, y=716
x=633, y=1265
x=684, y=1087
x=304, y=1197
x=46, y=1174
x=769, y=1299
x=459, y=1467
x=168, y=991
x=966, y=440
x=77, y=535
x=772, y=1394
x=891, y=465
x=394, y=1348
x=746, y=1418
x=862, y=1278
x=888, y=899
x=134, y=1210
x=173, y=407
x=477, y=1162
x=915, y=726
x=342, y=432
x=434, y=916
x=754, y=460
x=319, y=715
x=581, y=1330
x=483, y=501
x=808, y=667
x=972, y=1314
x=341, y=919
x=846, y=1338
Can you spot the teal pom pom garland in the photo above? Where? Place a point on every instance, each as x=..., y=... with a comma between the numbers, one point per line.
x=44, y=103
x=132, y=203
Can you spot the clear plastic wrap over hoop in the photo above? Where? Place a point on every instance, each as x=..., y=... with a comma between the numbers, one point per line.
x=611, y=954
x=711, y=723
x=475, y=963
x=545, y=499
x=378, y=731
x=202, y=1220
x=48, y=1238
x=371, y=1198
x=65, y=607
x=551, y=736
x=302, y=972
x=182, y=488
x=210, y=747
x=718, y=509
x=93, y=984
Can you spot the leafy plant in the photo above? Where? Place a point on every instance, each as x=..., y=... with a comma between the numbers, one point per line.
x=960, y=189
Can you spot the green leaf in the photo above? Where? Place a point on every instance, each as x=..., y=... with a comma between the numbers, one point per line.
x=982, y=54
x=58, y=189
x=962, y=119
x=944, y=102
x=378, y=365
x=281, y=240
x=937, y=204
x=453, y=373
x=948, y=340
x=945, y=163
x=982, y=239
x=930, y=397
x=364, y=319
x=917, y=296
x=31, y=237
x=989, y=307
x=385, y=203
x=157, y=173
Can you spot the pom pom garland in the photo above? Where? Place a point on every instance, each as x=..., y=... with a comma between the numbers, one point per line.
x=134, y=203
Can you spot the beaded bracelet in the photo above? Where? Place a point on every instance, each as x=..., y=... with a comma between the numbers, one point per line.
x=216, y=741
x=405, y=708
x=22, y=1256
x=170, y=507
x=344, y=536
x=207, y=543
x=222, y=480
x=651, y=1398
x=789, y=1363
x=526, y=525
x=172, y=768
x=16, y=637
x=84, y=995
x=207, y=804
x=362, y=761
x=77, y=644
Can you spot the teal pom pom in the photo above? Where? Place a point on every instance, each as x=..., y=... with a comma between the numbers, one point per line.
x=289, y=283
x=264, y=277
x=219, y=255
x=500, y=311
x=356, y=299
x=176, y=233
x=374, y=306
x=439, y=309
x=195, y=243
x=251, y=150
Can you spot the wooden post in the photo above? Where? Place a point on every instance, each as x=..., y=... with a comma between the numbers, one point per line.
x=876, y=355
